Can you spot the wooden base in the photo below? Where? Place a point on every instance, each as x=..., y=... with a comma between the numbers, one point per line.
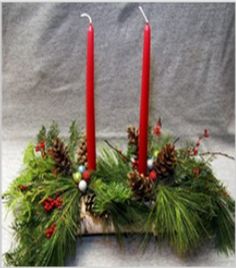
x=92, y=225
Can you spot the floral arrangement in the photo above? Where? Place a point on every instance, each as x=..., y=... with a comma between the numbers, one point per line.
x=179, y=199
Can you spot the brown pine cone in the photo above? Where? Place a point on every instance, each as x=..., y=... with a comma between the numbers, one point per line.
x=166, y=161
x=133, y=135
x=140, y=185
x=82, y=152
x=59, y=153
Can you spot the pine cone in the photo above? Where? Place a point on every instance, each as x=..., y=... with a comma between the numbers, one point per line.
x=89, y=202
x=166, y=161
x=140, y=185
x=133, y=135
x=82, y=152
x=59, y=153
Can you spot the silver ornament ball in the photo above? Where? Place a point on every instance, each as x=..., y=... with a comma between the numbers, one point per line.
x=81, y=169
x=150, y=163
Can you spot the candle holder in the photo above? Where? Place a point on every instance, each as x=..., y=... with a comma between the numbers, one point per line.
x=56, y=198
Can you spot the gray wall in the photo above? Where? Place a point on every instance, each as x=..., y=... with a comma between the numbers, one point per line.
x=192, y=85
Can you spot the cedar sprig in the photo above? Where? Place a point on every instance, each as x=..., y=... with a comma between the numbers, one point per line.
x=52, y=134
x=114, y=200
x=73, y=140
x=41, y=136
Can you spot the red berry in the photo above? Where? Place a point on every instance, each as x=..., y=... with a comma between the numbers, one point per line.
x=58, y=202
x=48, y=204
x=153, y=175
x=42, y=145
x=157, y=130
x=86, y=175
x=195, y=151
x=198, y=143
x=48, y=207
x=206, y=133
x=50, y=230
x=37, y=148
x=23, y=187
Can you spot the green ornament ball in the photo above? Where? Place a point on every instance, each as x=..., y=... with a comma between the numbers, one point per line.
x=77, y=177
x=156, y=152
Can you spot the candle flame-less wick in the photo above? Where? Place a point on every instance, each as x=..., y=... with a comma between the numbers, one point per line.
x=144, y=15
x=86, y=15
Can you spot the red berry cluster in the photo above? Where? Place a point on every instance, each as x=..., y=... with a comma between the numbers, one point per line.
x=50, y=231
x=40, y=146
x=23, y=187
x=157, y=128
x=49, y=204
x=204, y=135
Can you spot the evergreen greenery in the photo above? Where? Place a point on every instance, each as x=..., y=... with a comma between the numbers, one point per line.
x=41, y=135
x=193, y=208
x=52, y=133
x=73, y=139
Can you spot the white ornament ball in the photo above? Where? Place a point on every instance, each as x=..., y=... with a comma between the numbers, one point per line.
x=82, y=185
x=150, y=163
x=81, y=169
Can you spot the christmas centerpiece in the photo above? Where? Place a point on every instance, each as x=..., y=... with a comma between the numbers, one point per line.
x=160, y=187
x=178, y=200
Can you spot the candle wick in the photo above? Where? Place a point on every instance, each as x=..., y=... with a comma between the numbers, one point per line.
x=87, y=16
x=144, y=15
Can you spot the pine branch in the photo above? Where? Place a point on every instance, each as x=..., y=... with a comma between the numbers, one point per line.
x=176, y=140
x=217, y=153
x=118, y=151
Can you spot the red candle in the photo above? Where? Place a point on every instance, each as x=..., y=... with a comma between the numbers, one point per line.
x=90, y=114
x=144, y=103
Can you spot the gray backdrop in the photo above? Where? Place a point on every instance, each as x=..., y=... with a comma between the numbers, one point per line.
x=192, y=86
x=44, y=61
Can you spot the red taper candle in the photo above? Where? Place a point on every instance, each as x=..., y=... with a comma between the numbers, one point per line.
x=144, y=102
x=90, y=106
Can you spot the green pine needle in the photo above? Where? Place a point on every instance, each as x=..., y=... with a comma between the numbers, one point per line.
x=176, y=217
x=73, y=139
x=111, y=167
